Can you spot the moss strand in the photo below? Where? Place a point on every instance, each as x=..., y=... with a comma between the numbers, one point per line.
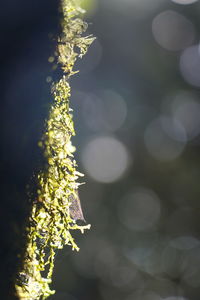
x=53, y=214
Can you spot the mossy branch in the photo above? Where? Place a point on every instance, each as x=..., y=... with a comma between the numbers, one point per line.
x=57, y=207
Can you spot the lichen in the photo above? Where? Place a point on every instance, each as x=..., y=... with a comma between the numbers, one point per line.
x=57, y=208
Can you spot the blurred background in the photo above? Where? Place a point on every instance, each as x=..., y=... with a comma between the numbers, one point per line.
x=136, y=105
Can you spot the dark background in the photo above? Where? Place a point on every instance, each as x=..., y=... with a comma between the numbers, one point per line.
x=136, y=108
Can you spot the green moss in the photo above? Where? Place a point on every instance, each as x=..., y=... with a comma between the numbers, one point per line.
x=57, y=207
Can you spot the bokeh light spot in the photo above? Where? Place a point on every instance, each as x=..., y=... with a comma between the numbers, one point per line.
x=140, y=210
x=184, y=2
x=138, y=8
x=48, y=79
x=105, y=159
x=165, y=138
x=190, y=267
x=169, y=261
x=51, y=59
x=105, y=113
x=90, y=6
x=190, y=65
x=121, y=276
x=186, y=109
x=185, y=242
x=173, y=31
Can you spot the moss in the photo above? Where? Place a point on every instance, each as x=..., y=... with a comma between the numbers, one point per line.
x=57, y=208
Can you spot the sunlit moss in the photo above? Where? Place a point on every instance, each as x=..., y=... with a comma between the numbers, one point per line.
x=57, y=207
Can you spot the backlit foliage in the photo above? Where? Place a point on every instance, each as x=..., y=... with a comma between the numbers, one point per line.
x=57, y=207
